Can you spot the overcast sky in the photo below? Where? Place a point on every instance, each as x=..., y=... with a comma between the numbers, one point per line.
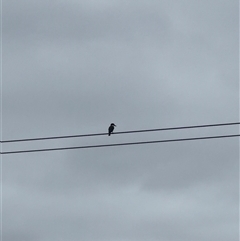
x=73, y=67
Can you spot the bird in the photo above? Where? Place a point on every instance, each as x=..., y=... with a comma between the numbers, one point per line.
x=111, y=128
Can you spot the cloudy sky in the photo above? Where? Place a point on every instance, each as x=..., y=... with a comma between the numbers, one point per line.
x=73, y=67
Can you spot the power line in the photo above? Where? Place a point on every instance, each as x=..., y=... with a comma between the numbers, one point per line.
x=120, y=144
x=122, y=132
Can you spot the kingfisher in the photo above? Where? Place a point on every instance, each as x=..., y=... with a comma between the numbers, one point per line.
x=111, y=128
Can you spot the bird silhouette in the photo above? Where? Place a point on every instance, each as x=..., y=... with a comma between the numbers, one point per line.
x=111, y=128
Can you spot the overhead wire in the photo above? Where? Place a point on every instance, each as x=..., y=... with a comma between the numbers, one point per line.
x=117, y=133
x=119, y=144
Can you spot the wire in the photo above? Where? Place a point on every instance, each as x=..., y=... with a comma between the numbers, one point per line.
x=120, y=144
x=1, y=120
x=123, y=132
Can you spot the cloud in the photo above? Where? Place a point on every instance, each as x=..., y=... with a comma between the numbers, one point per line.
x=73, y=68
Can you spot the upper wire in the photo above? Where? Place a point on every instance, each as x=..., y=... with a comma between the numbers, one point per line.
x=122, y=132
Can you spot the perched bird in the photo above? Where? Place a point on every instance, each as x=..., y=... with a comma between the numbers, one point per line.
x=111, y=128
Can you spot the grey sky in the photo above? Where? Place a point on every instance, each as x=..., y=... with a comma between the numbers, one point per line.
x=73, y=67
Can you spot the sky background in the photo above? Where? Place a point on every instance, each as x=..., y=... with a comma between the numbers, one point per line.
x=73, y=67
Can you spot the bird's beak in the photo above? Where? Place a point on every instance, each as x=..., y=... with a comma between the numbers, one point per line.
x=114, y=125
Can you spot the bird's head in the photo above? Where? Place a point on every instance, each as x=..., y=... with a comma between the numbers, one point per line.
x=112, y=124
